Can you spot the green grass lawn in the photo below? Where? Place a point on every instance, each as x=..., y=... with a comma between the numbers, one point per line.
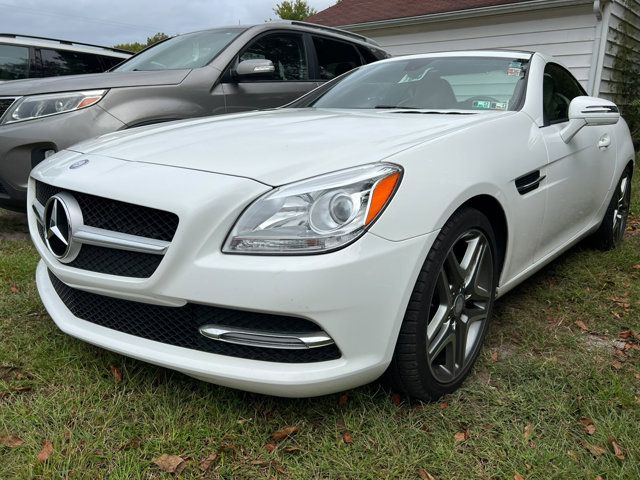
x=554, y=364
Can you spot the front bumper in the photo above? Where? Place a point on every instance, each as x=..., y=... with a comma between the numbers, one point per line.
x=357, y=295
x=23, y=145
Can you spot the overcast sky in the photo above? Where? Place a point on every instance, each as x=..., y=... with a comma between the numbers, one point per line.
x=109, y=22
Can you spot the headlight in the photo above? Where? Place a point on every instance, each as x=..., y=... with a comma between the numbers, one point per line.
x=315, y=215
x=36, y=106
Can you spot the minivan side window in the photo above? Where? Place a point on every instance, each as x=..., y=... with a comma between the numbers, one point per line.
x=559, y=88
x=287, y=53
x=65, y=62
x=335, y=58
x=14, y=62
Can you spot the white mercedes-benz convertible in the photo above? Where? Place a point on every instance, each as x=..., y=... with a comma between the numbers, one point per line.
x=366, y=228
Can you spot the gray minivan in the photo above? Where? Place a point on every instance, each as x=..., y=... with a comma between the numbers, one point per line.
x=222, y=70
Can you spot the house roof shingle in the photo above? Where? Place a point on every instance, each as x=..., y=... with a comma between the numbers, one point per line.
x=349, y=12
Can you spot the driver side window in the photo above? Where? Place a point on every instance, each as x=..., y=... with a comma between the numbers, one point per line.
x=559, y=88
x=287, y=53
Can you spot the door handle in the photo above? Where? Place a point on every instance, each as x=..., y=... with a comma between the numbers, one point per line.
x=604, y=142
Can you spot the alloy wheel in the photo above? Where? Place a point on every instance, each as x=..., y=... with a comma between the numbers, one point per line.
x=460, y=306
x=621, y=211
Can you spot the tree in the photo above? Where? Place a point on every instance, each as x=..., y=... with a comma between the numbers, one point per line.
x=137, y=46
x=294, y=10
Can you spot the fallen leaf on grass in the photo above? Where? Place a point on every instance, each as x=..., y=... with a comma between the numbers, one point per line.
x=626, y=334
x=347, y=437
x=616, y=364
x=45, y=453
x=461, y=436
x=396, y=399
x=343, y=400
x=11, y=441
x=595, y=450
x=259, y=463
x=205, y=464
x=617, y=449
x=581, y=325
x=528, y=430
x=14, y=289
x=588, y=425
x=292, y=450
x=424, y=475
x=270, y=447
x=517, y=476
x=494, y=356
x=443, y=405
x=170, y=463
x=117, y=374
x=284, y=433
x=134, y=443
x=636, y=267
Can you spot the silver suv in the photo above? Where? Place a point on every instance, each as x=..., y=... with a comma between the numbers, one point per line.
x=209, y=72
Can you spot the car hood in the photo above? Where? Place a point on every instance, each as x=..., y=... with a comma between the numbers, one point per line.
x=280, y=146
x=91, y=81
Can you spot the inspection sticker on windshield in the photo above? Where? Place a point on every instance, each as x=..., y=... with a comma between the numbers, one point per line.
x=488, y=105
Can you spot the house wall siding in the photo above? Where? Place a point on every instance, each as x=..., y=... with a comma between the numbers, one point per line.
x=622, y=12
x=568, y=33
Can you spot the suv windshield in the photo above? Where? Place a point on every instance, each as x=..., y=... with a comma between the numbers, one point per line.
x=192, y=50
x=434, y=83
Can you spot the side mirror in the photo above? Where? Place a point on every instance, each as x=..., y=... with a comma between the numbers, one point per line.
x=254, y=67
x=585, y=111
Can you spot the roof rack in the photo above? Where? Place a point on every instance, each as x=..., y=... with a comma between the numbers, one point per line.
x=346, y=33
x=64, y=42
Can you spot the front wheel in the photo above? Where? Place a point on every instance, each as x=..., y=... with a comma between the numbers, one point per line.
x=449, y=310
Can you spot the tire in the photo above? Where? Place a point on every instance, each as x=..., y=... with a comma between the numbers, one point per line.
x=611, y=231
x=428, y=361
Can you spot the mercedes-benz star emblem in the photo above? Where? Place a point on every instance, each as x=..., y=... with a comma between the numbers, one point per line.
x=61, y=213
x=79, y=163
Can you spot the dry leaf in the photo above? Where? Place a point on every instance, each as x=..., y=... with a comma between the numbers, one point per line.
x=14, y=289
x=292, y=450
x=616, y=364
x=270, y=447
x=45, y=453
x=347, y=438
x=494, y=356
x=443, y=405
x=170, y=463
x=617, y=450
x=424, y=475
x=581, y=325
x=528, y=430
x=343, y=400
x=11, y=441
x=284, y=433
x=599, y=477
x=625, y=334
x=595, y=450
x=117, y=374
x=517, y=476
x=205, y=464
x=259, y=463
x=396, y=399
x=588, y=425
x=461, y=436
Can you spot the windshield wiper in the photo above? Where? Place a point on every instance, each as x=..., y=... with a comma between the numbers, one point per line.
x=421, y=110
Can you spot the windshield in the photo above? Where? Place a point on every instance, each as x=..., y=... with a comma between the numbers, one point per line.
x=193, y=50
x=432, y=83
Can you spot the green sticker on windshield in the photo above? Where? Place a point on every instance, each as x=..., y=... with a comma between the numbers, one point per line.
x=482, y=104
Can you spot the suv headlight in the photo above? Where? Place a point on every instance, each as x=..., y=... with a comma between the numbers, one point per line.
x=37, y=106
x=316, y=215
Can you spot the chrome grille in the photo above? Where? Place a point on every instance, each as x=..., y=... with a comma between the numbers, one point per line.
x=117, y=238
